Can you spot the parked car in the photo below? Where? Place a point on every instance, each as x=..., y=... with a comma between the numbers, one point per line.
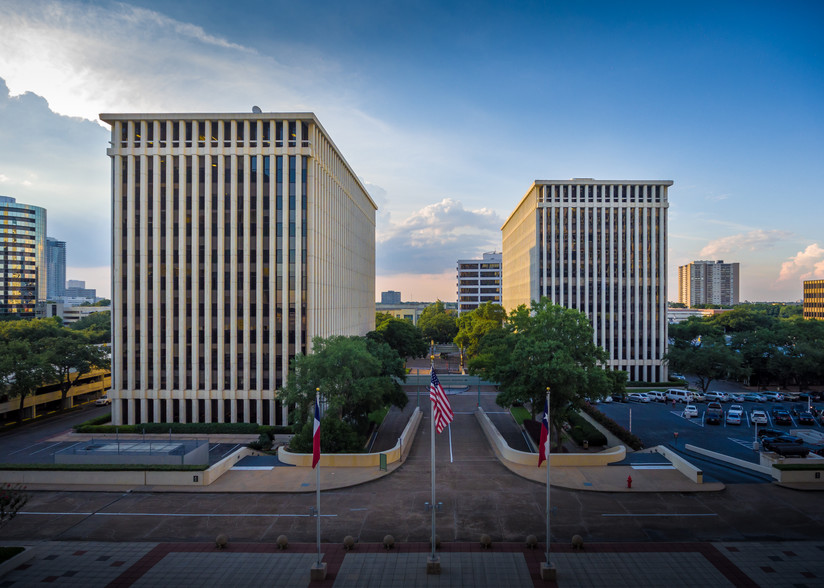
x=679, y=395
x=103, y=401
x=782, y=417
x=767, y=432
x=773, y=396
x=619, y=397
x=690, y=411
x=657, y=396
x=717, y=397
x=714, y=413
x=759, y=417
x=698, y=396
x=734, y=417
x=753, y=397
x=638, y=397
x=676, y=376
x=806, y=418
x=737, y=397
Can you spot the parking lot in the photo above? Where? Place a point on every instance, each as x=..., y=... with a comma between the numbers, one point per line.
x=656, y=423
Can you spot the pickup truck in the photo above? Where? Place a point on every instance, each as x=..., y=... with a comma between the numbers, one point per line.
x=714, y=413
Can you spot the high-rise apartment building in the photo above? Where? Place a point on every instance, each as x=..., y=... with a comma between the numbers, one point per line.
x=814, y=299
x=22, y=257
x=390, y=297
x=708, y=282
x=237, y=238
x=599, y=247
x=55, y=269
x=479, y=281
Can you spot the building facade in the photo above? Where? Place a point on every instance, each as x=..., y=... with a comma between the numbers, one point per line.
x=708, y=282
x=599, y=247
x=814, y=299
x=479, y=281
x=390, y=297
x=55, y=269
x=22, y=257
x=237, y=238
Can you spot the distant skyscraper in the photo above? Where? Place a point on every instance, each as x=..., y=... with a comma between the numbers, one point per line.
x=814, y=299
x=599, y=247
x=390, y=297
x=22, y=257
x=708, y=282
x=76, y=284
x=55, y=268
x=237, y=239
x=479, y=281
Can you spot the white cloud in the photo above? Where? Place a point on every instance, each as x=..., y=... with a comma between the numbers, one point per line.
x=432, y=239
x=750, y=241
x=804, y=265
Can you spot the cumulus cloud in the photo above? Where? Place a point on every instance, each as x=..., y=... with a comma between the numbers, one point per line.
x=804, y=265
x=749, y=241
x=433, y=238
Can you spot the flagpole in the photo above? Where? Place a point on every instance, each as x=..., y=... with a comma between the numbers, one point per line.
x=547, y=569
x=317, y=484
x=432, y=451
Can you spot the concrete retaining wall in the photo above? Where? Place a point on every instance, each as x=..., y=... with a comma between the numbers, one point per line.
x=359, y=460
x=690, y=471
x=601, y=458
x=733, y=460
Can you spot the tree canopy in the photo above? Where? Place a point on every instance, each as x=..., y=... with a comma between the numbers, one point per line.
x=98, y=326
x=545, y=345
x=699, y=348
x=473, y=325
x=438, y=324
x=401, y=335
x=355, y=377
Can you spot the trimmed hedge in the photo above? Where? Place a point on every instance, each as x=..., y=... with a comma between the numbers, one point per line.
x=789, y=467
x=96, y=467
x=187, y=428
x=625, y=436
x=677, y=383
x=582, y=430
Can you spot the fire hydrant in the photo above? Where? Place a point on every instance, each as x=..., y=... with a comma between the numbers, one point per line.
x=629, y=481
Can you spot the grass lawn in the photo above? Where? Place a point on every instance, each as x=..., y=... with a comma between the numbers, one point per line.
x=519, y=413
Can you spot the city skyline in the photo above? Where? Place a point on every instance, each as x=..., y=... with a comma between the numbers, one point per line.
x=448, y=112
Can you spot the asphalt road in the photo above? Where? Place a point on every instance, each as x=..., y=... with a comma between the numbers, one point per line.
x=479, y=495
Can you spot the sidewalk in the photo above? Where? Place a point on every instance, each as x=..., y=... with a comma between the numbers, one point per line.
x=604, y=565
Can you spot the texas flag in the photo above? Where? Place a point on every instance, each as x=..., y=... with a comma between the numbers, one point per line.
x=316, y=437
x=543, y=446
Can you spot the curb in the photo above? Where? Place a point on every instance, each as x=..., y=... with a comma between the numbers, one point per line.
x=18, y=560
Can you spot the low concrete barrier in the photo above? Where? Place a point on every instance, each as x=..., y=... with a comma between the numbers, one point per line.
x=682, y=465
x=733, y=460
x=358, y=460
x=601, y=458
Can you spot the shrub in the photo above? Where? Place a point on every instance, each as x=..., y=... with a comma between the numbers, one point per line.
x=185, y=428
x=582, y=430
x=625, y=436
x=94, y=467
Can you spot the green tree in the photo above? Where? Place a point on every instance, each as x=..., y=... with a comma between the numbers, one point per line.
x=24, y=367
x=73, y=355
x=12, y=499
x=356, y=376
x=401, y=335
x=473, y=325
x=545, y=345
x=699, y=348
x=98, y=325
x=438, y=324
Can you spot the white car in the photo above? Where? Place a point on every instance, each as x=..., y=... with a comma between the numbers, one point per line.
x=103, y=401
x=734, y=416
x=638, y=397
x=717, y=397
x=759, y=417
x=690, y=411
x=657, y=395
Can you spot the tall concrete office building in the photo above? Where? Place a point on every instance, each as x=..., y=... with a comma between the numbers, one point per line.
x=599, y=247
x=236, y=239
x=479, y=281
x=22, y=257
x=55, y=269
x=708, y=282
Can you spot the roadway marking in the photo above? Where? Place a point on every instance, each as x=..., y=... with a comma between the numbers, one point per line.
x=164, y=514
x=652, y=466
x=451, y=460
x=45, y=448
x=253, y=468
x=230, y=451
x=742, y=442
x=660, y=515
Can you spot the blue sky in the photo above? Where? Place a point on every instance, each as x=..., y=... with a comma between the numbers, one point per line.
x=448, y=111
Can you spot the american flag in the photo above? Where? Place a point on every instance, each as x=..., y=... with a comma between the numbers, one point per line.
x=441, y=410
x=543, y=446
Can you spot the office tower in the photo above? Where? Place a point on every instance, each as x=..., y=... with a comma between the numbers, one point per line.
x=22, y=257
x=708, y=282
x=479, y=281
x=237, y=238
x=81, y=284
x=599, y=247
x=390, y=297
x=55, y=269
x=814, y=299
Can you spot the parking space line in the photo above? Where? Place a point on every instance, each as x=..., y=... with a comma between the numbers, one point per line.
x=168, y=514
x=45, y=448
x=230, y=451
x=660, y=514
